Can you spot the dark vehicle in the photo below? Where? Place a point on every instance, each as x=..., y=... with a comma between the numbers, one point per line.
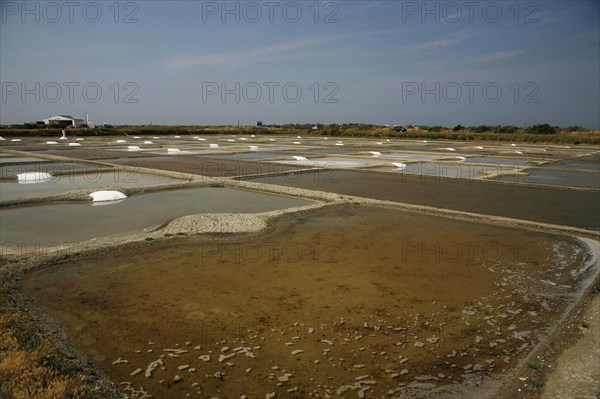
x=400, y=129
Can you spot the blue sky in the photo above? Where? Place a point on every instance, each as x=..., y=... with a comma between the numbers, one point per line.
x=382, y=62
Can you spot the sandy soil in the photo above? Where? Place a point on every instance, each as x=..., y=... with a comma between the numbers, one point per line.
x=577, y=371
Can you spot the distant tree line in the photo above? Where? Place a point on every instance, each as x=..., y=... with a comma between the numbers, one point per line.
x=505, y=129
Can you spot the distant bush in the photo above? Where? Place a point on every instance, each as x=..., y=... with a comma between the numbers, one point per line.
x=480, y=129
x=505, y=129
x=458, y=128
x=436, y=129
x=576, y=128
x=541, y=129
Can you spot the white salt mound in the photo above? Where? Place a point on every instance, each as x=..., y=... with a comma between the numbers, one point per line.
x=33, y=177
x=120, y=141
x=16, y=140
x=2, y=138
x=74, y=144
x=399, y=165
x=51, y=142
x=133, y=148
x=99, y=196
x=213, y=145
x=299, y=158
x=253, y=148
x=173, y=150
x=148, y=142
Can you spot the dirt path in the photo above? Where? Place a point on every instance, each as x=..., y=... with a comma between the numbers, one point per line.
x=577, y=372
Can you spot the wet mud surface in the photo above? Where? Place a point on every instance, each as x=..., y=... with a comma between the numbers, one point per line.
x=344, y=302
x=564, y=207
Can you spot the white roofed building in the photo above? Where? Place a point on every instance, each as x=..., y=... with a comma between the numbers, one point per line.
x=67, y=120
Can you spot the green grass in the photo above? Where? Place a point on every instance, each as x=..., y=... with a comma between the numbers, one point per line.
x=149, y=239
x=534, y=366
x=181, y=234
x=536, y=383
x=168, y=235
x=585, y=325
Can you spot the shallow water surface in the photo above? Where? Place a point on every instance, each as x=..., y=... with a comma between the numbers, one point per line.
x=555, y=178
x=90, y=179
x=572, y=208
x=251, y=155
x=568, y=164
x=319, y=303
x=439, y=169
x=498, y=161
x=16, y=160
x=328, y=162
x=50, y=167
x=69, y=223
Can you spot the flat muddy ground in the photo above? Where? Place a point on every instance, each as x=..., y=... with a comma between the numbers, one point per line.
x=341, y=301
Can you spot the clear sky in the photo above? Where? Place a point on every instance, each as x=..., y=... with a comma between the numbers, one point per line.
x=382, y=62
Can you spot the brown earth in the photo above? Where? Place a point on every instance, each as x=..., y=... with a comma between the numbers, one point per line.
x=356, y=290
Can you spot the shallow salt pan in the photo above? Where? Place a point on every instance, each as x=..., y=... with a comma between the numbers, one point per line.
x=94, y=179
x=61, y=223
x=330, y=162
x=412, y=157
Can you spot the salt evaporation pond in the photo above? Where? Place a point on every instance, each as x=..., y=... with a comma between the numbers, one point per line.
x=251, y=155
x=15, y=160
x=213, y=167
x=573, y=165
x=50, y=167
x=333, y=302
x=92, y=179
x=328, y=162
x=529, y=203
x=75, y=222
x=410, y=157
x=498, y=161
x=443, y=170
x=555, y=178
x=329, y=151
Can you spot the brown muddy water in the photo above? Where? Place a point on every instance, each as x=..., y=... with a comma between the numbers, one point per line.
x=332, y=304
x=556, y=206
